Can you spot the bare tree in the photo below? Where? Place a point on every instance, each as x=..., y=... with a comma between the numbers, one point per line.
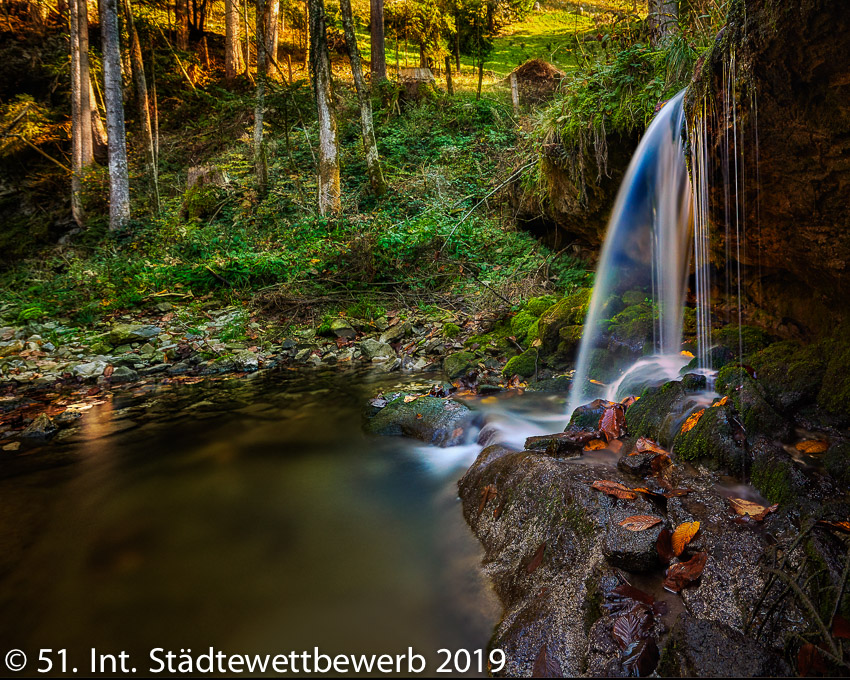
x=138, y=67
x=181, y=18
x=320, y=71
x=373, y=164
x=81, y=105
x=378, y=47
x=232, y=53
x=119, y=181
x=272, y=32
x=260, y=166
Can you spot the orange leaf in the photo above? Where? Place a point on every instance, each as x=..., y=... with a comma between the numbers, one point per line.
x=639, y=522
x=683, y=573
x=613, y=422
x=683, y=535
x=595, y=445
x=843, y=527
x=812, y=446
x=722, y=402
x=614, y=489
x=692, y=420
x=487, y=493
x=644, y=445
x=750, y=509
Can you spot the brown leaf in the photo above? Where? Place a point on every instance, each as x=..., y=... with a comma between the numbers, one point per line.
x=683, y=573
x=628, y=401
x=487, y=493
x=595, y=445
x=644, y=445
x=652, y=494
x=676, y=493
x=664, y=546
x=641, y=658
x=639, y=522
x=744, y=507
x=624, y=590
x=721, y=402
x=612, y=422
x=546, y=665
x=537, y=559
x=500, y=508
x=843, y=527
x=692, y=420
x=614, y=489
x=631, y=627
x=107, y=372
x=810, y=661
x=812, y=446
x=841, y=627
x=683, y=535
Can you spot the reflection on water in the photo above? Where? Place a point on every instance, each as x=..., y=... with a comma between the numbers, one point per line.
x=252, y=516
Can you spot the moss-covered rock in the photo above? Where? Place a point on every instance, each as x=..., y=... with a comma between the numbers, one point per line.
x=430, y=419
x=455, y=365
x=496, y=339
x=538, y=305
x=569, y=311
x=837, y=462
x=450, y=330
x=521, y=323
x=570, y=339
x=587, y=417
x=524, y=365
x=834, y=394
x=633, y=327
x=734, y=337
x=790, y=373
x=711, y=441
x=657, y=412
x=694, y=382
x=633, y=297
x=774, y=472
x=748, y=396
x=201, y=201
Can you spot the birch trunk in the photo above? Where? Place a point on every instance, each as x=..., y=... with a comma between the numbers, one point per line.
x=81, y=105
x=320, y=70
x=259, y=104
x=378, y=49
x=138, y=67
x=119, y=181
x=370, y=146
x=232, y=52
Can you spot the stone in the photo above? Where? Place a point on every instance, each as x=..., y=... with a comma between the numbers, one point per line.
x=89, y=370
x=630, y=550
x=67, y=418
x=246, y=361
x=10, y=347
x=128, y=333
x=523, y=365
x=457, y=364
x=152, y=370
x=123, y=374
x=342, y=328
x=375, y=350
x=570, y=442
x=395, y=333
x=637, y=464
x=429, y=419
x=42, y=427
x=588, y=415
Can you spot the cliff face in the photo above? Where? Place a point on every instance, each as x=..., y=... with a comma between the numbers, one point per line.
x=790, y=87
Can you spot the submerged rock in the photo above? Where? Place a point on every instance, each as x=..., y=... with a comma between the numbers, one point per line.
x=429, y=419
x=40, y=428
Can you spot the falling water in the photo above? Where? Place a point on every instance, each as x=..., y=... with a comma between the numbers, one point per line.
x=646, y=247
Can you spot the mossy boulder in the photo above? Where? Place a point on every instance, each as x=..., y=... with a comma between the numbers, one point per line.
x=457, y=364
x=450, y=330
x=570, y=339
x=633, y=327
x=201, y=201
x=633, y=297
x=429, y=419
x=587, y=417
x=496, y=339
x=774, y=472
x=657, y=413
x=733, y=337
x=521, y=324
x=749, y=398
x=524, y=365
x=538, y=305
x=834, y=394
x=711, y=441
x=790, y=373
x=569, y=311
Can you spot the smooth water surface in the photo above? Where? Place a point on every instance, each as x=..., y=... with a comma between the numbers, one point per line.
x=248, y=515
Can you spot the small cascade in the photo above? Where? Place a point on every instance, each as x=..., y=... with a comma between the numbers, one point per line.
x=647, y=247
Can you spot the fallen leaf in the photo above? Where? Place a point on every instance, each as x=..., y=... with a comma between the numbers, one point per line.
x=812, y=446
x=843, y=527
x=676, y=493
x=596, y=382
x=683, y=573
x=595, y=445
x=500, y=508
x=614, y=489
x=613, y=422
x=537, y=343
x=107, y=372
x=841, y=627
x=641, y=658
x=744, y=507
x=546, y=665
x=631, y=627
x=628, y=401
x=487, y=493
x=810, y=661
x=639, y=522
x=683, y=535
x=686, y=353
x=722, y=402
x=645, y=445
x=411, y=397
x=537, y=559
x=625, y=590
x=692, y=420
x=649, y=492
x=664, y=546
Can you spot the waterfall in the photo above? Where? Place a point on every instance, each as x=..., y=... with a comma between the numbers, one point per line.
x=647, y=247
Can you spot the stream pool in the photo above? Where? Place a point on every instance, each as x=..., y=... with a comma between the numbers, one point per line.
x=250, y=515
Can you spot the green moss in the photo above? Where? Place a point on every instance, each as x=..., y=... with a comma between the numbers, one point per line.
x=533, y=332
x=592, y=602
x=792, y=374
x=537, y=306
x=711, y=441
x=634, y=326
x=455, y=365
x=570, y=339
x=521, y=323
x=753, y=339
x=201, y=201
x=634, y=297
x=498, y=337
x=834, y=395
x=650, y=415
x=451, y=330
x=524, y=364
x=570, y=311
x=773, y=479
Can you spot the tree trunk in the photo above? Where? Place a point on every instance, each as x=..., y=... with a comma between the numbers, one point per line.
x=259, y=105
x=98, y=131
x=662, y=19
x=370, y=146
x=320, y=70
x=271, y=15
x=138, y=68
x=376, y=30
x=81, y=105
x=181, y=18
x=119, y=181
x=480, y=76
x=247, y=40
x=232, y=53
x=449, y=85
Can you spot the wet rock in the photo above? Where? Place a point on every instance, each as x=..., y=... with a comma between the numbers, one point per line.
x=694, y=382
x=570, y=311
x=156, y=368
x=637, y=464
x=429, y=419
x=245, y=360
x=123, y=374
x=710, y=649
x=375, y=350
x=775, y=474
x=523, y=365
x=396, y=333
x=42, y=427
x=67, y=418
x=559, y=444
x=457, y=364
x=89, y=370
x=128, y=333
x=587, y=416
x=341, y=328
x=559, y=383
x=11, y=347
x=630, y=550
x=716, y=440
x=659, y=412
